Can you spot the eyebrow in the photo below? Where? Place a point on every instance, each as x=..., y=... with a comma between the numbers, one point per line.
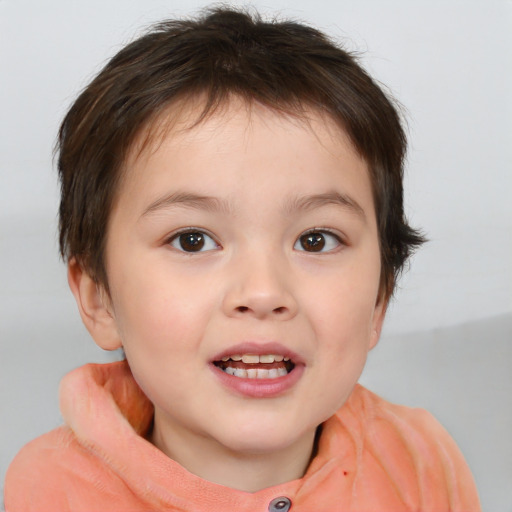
x=188, y=200
x=310, y=202
x=216, y=205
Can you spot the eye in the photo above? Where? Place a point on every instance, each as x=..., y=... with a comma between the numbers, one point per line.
x=193, y=241
x=317, y=241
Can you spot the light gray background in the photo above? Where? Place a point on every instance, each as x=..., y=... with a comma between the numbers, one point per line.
x=447, y=341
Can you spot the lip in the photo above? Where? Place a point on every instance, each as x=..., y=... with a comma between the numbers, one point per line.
x=259, y=349
x=259, y=388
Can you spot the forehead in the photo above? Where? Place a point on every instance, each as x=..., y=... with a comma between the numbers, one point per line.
x=193, y=117
x=183, y=142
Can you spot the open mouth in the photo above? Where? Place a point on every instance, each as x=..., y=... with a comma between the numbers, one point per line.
x=251, y=366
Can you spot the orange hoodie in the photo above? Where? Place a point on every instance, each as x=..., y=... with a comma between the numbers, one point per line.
x=373, y=456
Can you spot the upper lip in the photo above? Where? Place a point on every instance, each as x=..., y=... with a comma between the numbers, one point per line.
x=259, y=349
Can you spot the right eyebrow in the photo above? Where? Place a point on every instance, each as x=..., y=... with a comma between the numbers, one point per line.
x=187, y=200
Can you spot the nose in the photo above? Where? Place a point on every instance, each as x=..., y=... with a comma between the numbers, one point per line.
x=259, y=287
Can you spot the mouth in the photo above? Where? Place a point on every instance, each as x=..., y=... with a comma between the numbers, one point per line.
x=258, y=370
x=254, y=366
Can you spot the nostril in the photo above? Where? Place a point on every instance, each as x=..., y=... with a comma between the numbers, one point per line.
x=242, y=309
x=279, y=310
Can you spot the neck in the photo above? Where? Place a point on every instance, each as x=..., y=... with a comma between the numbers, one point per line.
x=250, y=472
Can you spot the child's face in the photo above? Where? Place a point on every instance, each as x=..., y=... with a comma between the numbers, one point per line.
x=247, y=278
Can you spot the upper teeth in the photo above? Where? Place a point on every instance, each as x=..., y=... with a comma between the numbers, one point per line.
x=253, y=358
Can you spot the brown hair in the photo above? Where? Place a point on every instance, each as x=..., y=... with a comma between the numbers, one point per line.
x=286, y=66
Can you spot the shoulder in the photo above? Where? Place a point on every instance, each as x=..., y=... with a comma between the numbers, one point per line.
x=49, y=465
x=36, y=469
x=416, y=429
x=411, y=448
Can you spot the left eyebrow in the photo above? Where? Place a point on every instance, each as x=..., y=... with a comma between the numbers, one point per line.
x=311, y=202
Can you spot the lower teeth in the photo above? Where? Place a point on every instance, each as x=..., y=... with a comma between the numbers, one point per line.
x=256, y=373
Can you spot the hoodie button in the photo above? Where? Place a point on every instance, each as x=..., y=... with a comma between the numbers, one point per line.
x=281, y=504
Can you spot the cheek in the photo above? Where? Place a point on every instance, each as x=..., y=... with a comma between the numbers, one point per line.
x=157, y=314
x=343, y=333
x=345, y=305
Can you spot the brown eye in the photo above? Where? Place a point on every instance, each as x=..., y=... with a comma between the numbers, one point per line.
x=193, y=241
x=312, y=242
x=317, y=241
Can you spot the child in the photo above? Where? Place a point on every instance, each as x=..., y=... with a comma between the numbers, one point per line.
x=232, y=217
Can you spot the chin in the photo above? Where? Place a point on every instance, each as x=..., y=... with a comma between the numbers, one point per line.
x=263, y=439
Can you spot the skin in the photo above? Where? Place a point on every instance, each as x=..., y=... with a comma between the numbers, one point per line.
x=173, y=311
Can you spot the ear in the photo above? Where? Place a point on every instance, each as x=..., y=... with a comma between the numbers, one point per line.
x=94, y=306
x=378, y=320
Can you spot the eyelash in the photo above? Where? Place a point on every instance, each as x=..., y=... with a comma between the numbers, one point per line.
x=298, y=245
x=325, y=233
x=175, y=237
